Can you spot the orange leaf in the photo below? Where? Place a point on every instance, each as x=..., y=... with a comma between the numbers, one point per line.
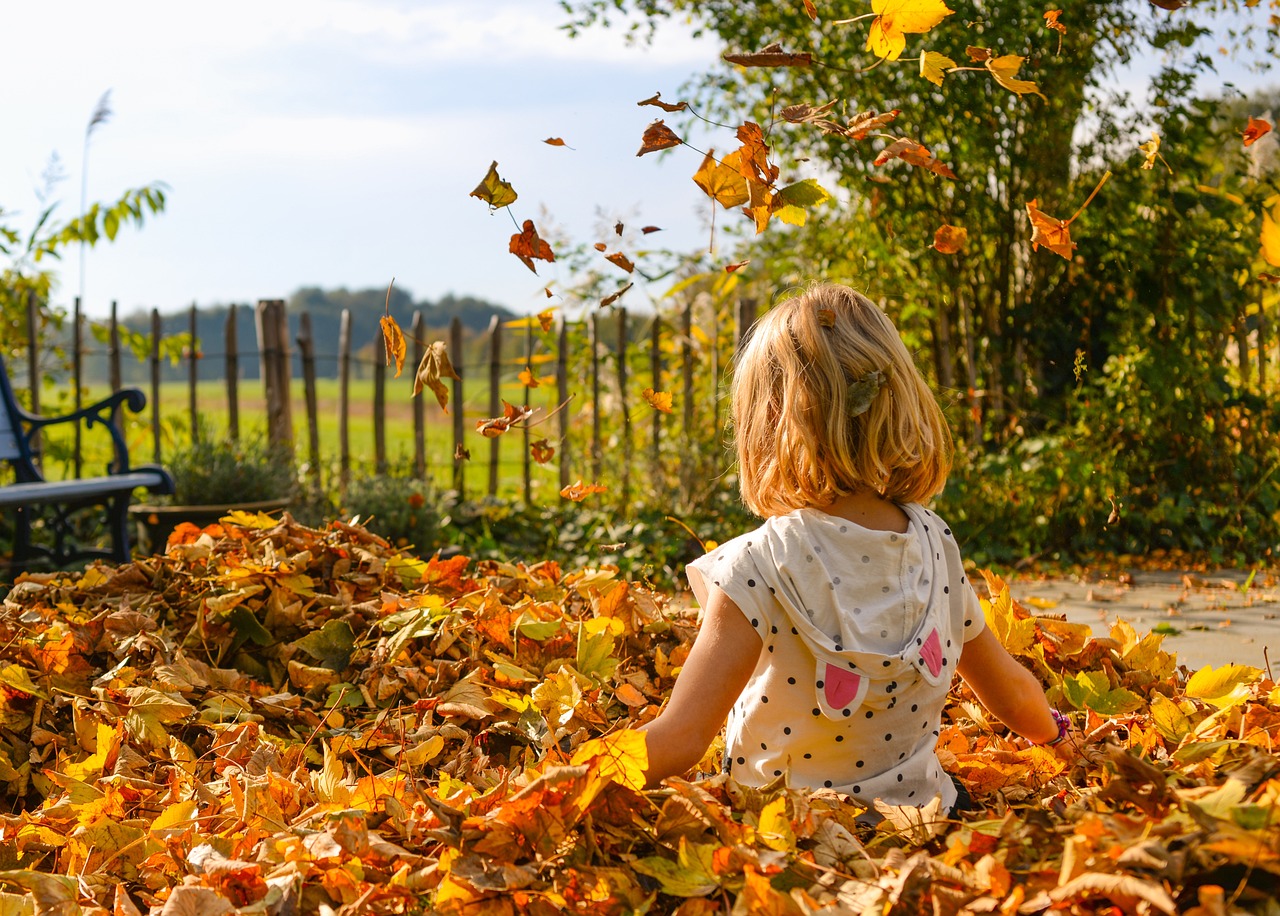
x=496, y=426
x=580, y=491
x=393, y=340
x=617, y=228
x=629, y=696
x=647, y=229
x=913, y=153
x=976, y=54
x=658, y=400
x=950, y=239
x=528, y=379
x=1051, y=22
x=494, y=191
x=810, y=10
x=614, y=297
x=665, y=106
x=460, y=453
x=542, y=451
x=1054, y=234
x=435, y=366
x=545, y=318
x=658, y=136
x=621, y=260
x=526, y=245
x=753, y=157
x=1256, y=128
x=770, y=55
x=867, y=121
x=722, y=181
x=730, y=268
x=555, y=141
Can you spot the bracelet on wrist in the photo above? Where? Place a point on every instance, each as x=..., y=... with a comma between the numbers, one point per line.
x=1064, y=727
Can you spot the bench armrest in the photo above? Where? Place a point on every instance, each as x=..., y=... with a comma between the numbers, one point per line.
x=105, y=412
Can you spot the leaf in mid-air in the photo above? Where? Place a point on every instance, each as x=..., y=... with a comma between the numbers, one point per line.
x=545, y=318
x=950, y=239
x=1256, y=128
x=913, y=153
x=620, y=260
x=527, y=245
x=494, y=191
x=736, y=266
x=556, y=141
x=1051, y=21
x=896, y=18
x=658, y=136
x=579, y=491
x=496, y=426
x=1151, y=150
x=656, y=100
x=393, y=340
x=810, y=10
x=1005, y=68
x=722, y=181
x=435, y=366
x=658, y=400
x=933, y=66
x=542, y=451
x=614, y=297
x=1270, y=238
x=770, y=55
x=865, y=122
x=1052, y=233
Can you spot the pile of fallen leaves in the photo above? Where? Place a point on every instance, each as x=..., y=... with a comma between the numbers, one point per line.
x=279, y=719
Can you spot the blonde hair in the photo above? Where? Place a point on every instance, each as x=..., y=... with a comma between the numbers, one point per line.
x=797, y=444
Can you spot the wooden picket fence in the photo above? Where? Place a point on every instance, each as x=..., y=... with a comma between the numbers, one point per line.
x=601, y=364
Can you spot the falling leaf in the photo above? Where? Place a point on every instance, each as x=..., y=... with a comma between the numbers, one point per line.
x=460, y=453
x=496, y=426
x=867, y=121
x=1151, y=149
x=897, y=18
x=658, y=136
x=730, y=268
x=621, y=260
x=541, y=451
x=494, y=191
x=722, y=181
x=1170, y=5
x=1269, y=278
x=913, y=153
x=555, y=141
x=600, y=246
x=1005, y=68
x=526, y=245
x=528, y=379
x=1051, y=22
x=804, y=113
x=658, y=400
x=393, y=342
x=950, y=239
x=579, y=491
x=976, y=54
x=617, y=228
x=665, y=106
x=770, y=55
x=1270, y=237
x=433, y=367
x=810, y=10
x=933, y=66
x=614, y=297
x=647, y=229
x=547, y=291
x=545, y=318
x=1052, y=233
x=1256, y=128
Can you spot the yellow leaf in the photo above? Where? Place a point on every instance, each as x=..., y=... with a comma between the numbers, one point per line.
x=622, y=757
x=423, y=753
x=557, y=697
x=933, y=66
x=774, y=828
x=1005, y=68
x=722, y=181
x=393, y=339
x=658, y=400
x=1271, y=238
x=435, y=366
x=897, y=18
x=1217, y=685
x=330, y=783
x=494, y=191
x=179, y=814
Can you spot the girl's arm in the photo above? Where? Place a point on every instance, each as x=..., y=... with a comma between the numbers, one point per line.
x=1007, y=689
x=719, y=665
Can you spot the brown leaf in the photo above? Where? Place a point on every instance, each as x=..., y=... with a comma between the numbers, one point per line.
x=545, y=318
x=435, y=366
x=1269, y=278
x=621, y=260
x=614, y=297
x=494, y=191
x=1169, y=5
x=496, y=426
x=541, y=451
x=753, y=157
x=913, y=153
x=867, y=121
x=976, y=54
x=1256, y=128
x=810, y=10
x=460, y=453
x=579, y=491
x=770, y=55
x=647, y=229
x=1054, y=234
x=658, y=400
x=950, y=239
x=827, y=318
x=658, y=136
x=730, y=268
x=665, y=106
x=1051, y=22
x=617, y=228
x=554, y=141
x=600, y=246
x=804, y=113
x=526, y=245
x=393, y=342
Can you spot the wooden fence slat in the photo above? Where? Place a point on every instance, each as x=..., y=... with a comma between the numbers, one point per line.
x=562, y=397
x=746, y=320
x=715, y=366
x=233, y=375
x=495, y=398
x=33, y=353
x=344, y=403
x=155, y=383
x=306, y=346
x=624, y=410
x=379, y=405
x=193, y=376
x=459, y=462
x=417, y=330
x=655, y=382
x=596, y=449
x=687, y=397
x=77, y=380
x=113, y=349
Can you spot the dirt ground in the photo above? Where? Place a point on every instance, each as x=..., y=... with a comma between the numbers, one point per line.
x=1210, y=618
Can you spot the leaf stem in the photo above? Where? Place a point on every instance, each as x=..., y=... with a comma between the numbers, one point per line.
x=1088, y=200
x=854, y=19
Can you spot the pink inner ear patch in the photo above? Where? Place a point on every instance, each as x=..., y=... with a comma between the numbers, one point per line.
x=931, y=652
x=840, y=686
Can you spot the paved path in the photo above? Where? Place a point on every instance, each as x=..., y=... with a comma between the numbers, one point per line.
x=1216, y=618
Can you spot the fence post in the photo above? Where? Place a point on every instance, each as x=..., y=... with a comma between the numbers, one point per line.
x=459, y=463
x=625, y=494
x=306, y=345
x=273, y=345
x=77, y=375
x=715, y=365
x=379, y=405
x=528, y=362
x=596, y=450
x=495, y=397
x=746, y=320
x=155, y=383
x=655, y=379
x=193, y=375
x=233, y=375
x=113, y=350
x=33, y=351
x=562, y=398
x=686, y=384
x=416, y=331
x=344, y=403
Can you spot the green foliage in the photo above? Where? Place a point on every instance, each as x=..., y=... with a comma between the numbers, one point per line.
x=214, y=471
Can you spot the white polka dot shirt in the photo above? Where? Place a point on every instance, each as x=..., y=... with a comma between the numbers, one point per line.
x=862, y=630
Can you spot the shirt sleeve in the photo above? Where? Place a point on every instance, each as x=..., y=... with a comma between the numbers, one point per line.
x=732, y=568
x=974, y=620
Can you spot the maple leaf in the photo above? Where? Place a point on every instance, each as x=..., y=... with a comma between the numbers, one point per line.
x=722, y=181
x=494, y=191
x=1256, y=128
x=433, y=367
x=393, y=341
x=621, y=260
x=753, y=156
x=526, y=245
x=933, y=66
x=1005, y=68
x=950, y=239
x=528, y=379
x=496, y=426
x=656, y=99
x=1051, y=22
x=614, y=297
x=658, y=136
x=1052, y=233
x=579, y=491
x=898, y=18
x=771, y=55
x=541, y=451
x=913, y=153
x=867, y=121
x=545, y=319
x=658, y=400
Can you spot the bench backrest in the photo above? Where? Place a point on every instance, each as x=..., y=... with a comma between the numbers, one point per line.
x=13, y=440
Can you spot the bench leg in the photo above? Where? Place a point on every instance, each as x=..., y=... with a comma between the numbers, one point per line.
x=21, y=540
x=118, y=526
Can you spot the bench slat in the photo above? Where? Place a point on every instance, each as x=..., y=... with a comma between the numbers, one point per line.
x=57, y=491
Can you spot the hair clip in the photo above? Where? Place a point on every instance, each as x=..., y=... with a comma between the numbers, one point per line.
x=861, y=393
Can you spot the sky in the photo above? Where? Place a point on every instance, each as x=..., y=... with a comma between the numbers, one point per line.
x=334, y=143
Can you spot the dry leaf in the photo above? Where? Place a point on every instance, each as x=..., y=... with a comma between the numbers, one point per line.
x=770, y=55
x=658, y=400
x=647, y=229
x=913, y=153
x=579, y=491
x=393, y=342
x=898, y=18
x=528, y=379
x=545, y=318
x=730, y=268
x=435, y=366
x=554, y=141
x=460, y=453
x=950, y=239
x=600, y=246
x=617, y=228
x=541, y=451
x=614, y=297
x=1052, y=233
x=494, y=191
x=1051, y=21
x=526, y=245
x=976, y=54
x=496, y=426
x=665, y=106
x=867, y=121
x=722, y=181
x=1005, y=68
x=658, y=136
x=1256, y=128
x=620, y=260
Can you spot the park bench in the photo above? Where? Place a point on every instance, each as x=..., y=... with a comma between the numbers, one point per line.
x=60, y=504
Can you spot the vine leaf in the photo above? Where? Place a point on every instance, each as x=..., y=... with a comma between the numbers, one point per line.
x=658, y=136
x=913, y=153
x=494, y=191
x=527, y=245
x=933, y=66
x=722, y=181
x=1005, y=68
x=897, y=18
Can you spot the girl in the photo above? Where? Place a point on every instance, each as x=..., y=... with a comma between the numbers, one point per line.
x=831, y=633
